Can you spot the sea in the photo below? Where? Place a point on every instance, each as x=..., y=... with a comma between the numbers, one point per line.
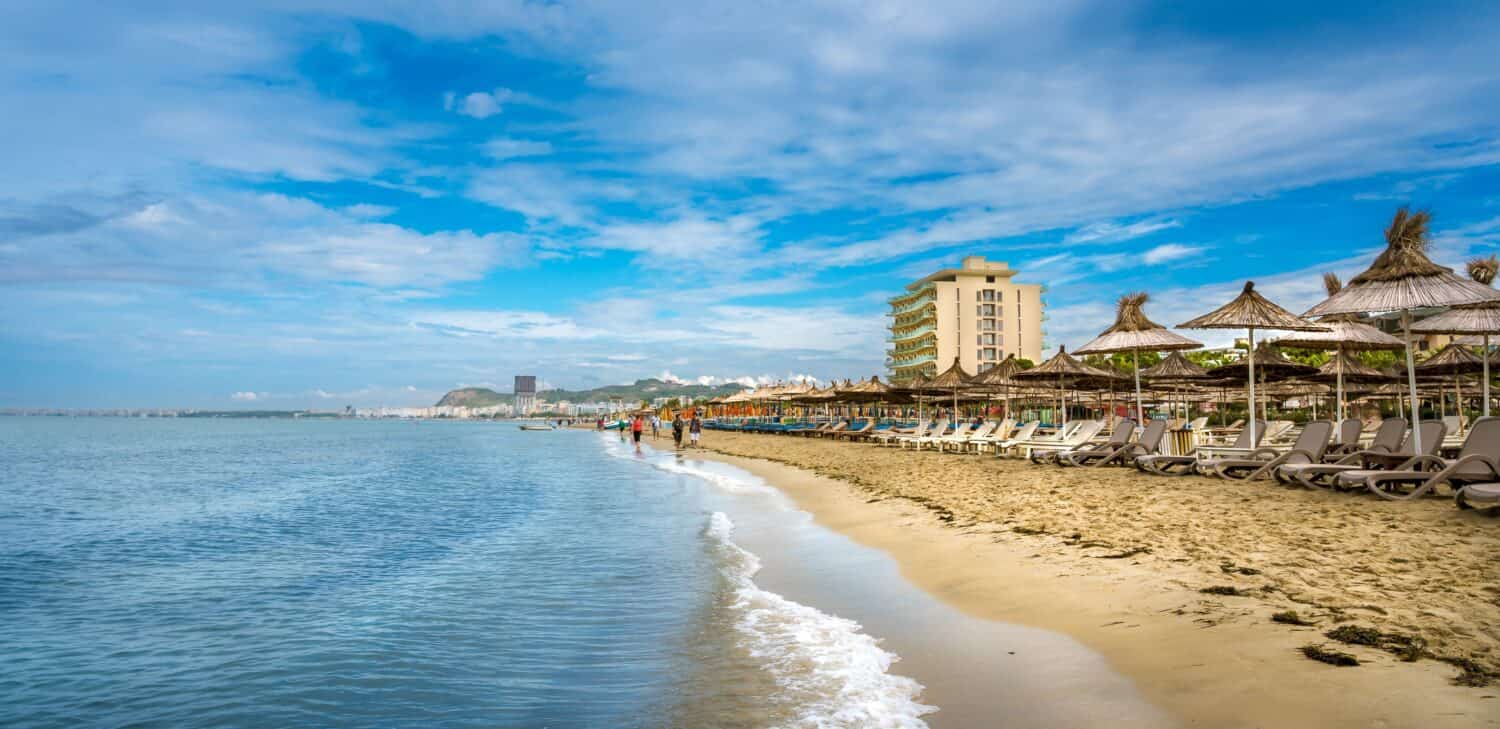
x=284, y=573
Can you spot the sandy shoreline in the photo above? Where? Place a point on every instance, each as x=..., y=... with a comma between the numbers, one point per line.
x=1012, y=542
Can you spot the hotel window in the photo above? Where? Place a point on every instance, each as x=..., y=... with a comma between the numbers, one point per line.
x=979, y=354
x=986, y=325
x=989, y=354
x=987, y=339
x=1000, y=310
x=987, y=310
x=1000, y=339
x=987, y=295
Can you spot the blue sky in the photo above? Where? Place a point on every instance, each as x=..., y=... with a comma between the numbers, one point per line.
x=327, y=203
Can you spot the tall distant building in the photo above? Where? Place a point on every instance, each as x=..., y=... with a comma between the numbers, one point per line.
x=525, y=394
x=976, y=313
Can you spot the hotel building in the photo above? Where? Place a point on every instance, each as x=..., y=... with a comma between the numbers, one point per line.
x=976, y=312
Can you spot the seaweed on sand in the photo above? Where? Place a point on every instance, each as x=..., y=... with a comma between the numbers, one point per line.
x=1332, y=658
x=1223, y=590
x=1290, y=617
x=1406, y=647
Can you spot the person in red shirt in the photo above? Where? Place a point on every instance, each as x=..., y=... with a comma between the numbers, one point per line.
x=636, y=426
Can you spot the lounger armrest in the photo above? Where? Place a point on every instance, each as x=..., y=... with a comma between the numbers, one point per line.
x=1471, y=460
x=1422, y=463
x=1263, y=453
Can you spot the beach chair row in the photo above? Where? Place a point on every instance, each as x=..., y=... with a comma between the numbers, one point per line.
x=1346, y=456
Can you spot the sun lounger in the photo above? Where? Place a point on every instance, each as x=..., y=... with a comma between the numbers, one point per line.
x=894, y=436
x=1022, y=434
x=1265, y=435
x=1147, y=444
x=1478, y=461
x=1391, y=439
x=1122, y=434
x=1308, y=448
x=838, y=427
x=1001, y=431
x=958, y=443
x=932, y=432
x=1080, y=434
x=1347, y=441
x=1182, y=465
x=960, y=432
x=1478, y=495
x=864, y=430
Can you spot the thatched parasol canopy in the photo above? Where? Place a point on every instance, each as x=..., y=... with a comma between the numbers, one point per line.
x=1345, y=367
x=1062, y=371
x=1062, y=365
x=1454, y=359
x=1132, y=331
x=953, y=378
x=1268, y=361
x=1250, y=310
x=1174, y=368
x=1344, y=335
x=1000, y=375
x=1403, y=277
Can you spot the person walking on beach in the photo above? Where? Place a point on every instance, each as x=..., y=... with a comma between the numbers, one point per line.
x=677, y=426
x=636, y=426
x=695, y=429
x=624, y=423
x=655, y=426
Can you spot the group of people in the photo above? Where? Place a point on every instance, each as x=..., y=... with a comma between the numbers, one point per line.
x=637, y=424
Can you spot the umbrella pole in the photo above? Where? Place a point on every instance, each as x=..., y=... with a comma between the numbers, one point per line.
x=1340, y=395
x=1458, y=404
x=1140, y=406
x=1251, y=409
x=1486, y=381
x=1411, y=382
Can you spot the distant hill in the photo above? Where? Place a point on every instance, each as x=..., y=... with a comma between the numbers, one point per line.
x=647, y=389
x=473, y=397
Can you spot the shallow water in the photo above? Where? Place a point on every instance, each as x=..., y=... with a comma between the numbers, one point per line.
x=275, y=573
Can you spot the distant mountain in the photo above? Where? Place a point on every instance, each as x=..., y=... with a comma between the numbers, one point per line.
x=647, y=389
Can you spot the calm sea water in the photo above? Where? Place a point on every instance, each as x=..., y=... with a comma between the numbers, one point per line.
x=237, y=573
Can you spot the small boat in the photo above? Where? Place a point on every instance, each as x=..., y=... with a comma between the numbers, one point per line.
x=536, y=426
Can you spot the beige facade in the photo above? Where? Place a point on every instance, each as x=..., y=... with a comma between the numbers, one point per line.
x=976, y=312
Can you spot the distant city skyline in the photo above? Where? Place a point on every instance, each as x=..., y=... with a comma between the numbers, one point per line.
x=253, y=205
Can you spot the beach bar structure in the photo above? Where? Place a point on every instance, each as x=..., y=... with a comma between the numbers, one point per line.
x=976, y=314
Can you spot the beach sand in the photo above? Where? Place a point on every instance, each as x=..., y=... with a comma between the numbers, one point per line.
x=1062, y=550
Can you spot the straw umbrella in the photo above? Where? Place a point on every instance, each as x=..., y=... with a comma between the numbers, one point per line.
x=952, y=379
x=1132, y=332
x=1000, y=376
x=1174, y=369
x=1064, y=368
x=1456, y=360
x=1480, y=319
x=1403, y=278
x=1270, y=363
x=915, y=387
x=1344, y=334
x=1251, y=311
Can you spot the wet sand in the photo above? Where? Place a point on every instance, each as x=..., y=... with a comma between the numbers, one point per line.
x=1060, y=550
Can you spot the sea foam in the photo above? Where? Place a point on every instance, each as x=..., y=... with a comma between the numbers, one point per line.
x=834, y=674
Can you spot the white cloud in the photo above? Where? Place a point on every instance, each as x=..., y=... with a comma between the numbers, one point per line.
x=1169, y=252
x=1114, y=232
x=366, y=210
x=510, y=147
x=245, y=396
x=479, y=104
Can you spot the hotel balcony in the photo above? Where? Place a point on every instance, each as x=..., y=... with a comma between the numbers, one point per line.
x=912, y=299
x=913, y=334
